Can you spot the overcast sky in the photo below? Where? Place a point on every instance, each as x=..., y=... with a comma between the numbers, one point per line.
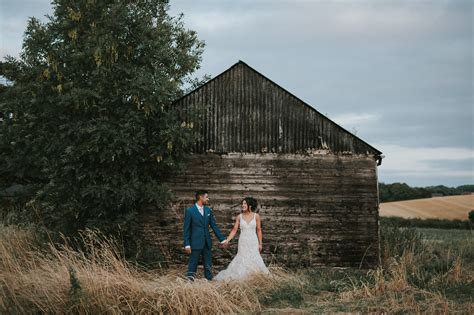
x=399, y=73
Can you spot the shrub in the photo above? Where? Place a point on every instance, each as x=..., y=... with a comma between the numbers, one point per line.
x=426, y=223
x=395, y=241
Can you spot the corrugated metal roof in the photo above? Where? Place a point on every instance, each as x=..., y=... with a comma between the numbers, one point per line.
x=247, y=112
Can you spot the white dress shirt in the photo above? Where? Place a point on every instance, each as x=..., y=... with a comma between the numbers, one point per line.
x=200, y=208
x=201, y=211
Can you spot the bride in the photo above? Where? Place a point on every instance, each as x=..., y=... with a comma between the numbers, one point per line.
x=248, y=259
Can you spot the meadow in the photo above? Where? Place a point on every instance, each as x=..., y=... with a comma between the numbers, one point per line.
x=422, y=271
x=445, y=207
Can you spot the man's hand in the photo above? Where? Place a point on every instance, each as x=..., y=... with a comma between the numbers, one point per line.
x=187, y=250
x=223, y=245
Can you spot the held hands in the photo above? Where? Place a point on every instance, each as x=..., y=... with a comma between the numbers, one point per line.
x=224, y=245
x=260, y=247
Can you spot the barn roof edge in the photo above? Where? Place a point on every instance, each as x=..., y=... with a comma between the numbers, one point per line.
x=286, y=91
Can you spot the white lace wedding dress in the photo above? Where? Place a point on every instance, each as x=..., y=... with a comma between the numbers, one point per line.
x=248, y=259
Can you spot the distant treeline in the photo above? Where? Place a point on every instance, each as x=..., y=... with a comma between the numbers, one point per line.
x=401, y=191
x=429, y=223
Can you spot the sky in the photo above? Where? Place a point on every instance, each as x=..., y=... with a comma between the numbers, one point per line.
x=399, y=74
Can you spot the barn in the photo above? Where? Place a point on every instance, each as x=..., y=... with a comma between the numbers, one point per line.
x=316, y=182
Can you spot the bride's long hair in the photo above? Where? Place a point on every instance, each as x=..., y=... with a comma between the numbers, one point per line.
x=252, y=203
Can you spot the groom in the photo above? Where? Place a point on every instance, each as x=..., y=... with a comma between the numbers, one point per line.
x=197, y=239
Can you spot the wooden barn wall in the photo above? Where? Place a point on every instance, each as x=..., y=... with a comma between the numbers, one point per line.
x=319, y=209
x=245, y=112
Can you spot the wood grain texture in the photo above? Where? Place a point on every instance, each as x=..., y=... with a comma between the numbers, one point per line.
x=317, y=209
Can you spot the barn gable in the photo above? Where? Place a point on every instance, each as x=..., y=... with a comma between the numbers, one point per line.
x=316, y=209
x=244, y=111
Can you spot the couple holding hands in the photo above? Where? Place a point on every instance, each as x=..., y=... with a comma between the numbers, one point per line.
x=197, y=240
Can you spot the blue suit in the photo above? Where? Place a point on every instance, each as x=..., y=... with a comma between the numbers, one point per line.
x=196, y=234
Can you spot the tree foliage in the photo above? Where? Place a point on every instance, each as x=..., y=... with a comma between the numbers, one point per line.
x=402, y=191
x=93, y=130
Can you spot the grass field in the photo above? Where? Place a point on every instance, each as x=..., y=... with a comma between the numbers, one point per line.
x=423, y=270
x=448, y=207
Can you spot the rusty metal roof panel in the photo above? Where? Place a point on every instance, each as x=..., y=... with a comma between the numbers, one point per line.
x=244, y=111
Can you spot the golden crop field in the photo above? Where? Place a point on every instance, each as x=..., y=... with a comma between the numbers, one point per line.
x=448, y=207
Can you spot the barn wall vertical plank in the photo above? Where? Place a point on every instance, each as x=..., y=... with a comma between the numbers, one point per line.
x=214, y=115
x=227, y=91
x=246, y=111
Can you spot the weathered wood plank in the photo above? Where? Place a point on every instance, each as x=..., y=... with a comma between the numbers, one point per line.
x=310, y=216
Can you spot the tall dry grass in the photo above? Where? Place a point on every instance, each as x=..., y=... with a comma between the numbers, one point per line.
x=97, y=279
x=389, y=289
x=415, y=277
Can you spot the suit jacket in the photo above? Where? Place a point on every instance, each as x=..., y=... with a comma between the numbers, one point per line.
x=196, y=228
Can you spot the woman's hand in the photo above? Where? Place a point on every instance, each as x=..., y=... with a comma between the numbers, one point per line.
x=260, y=247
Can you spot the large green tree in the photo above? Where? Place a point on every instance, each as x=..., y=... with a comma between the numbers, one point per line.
x=93, y=130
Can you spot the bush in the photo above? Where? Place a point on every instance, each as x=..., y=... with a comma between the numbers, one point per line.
x=427, y=223
x=395, y=241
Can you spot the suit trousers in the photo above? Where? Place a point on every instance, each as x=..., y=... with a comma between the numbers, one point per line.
x=206, y=254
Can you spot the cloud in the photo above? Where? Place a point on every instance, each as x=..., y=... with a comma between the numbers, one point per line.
x=354, y=119
x=14, y=16
x=422, y=164
x=399, y=71
x=215, y=20
x=311, y=20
